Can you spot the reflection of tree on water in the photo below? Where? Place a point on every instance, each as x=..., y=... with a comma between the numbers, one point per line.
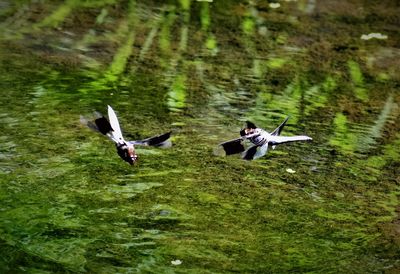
x=204, y=67
x=360, y=138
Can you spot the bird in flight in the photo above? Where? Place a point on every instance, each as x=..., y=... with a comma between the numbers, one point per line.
x=125, y=149
x=260, y=139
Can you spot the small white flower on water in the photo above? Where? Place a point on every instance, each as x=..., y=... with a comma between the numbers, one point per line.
x=176, y=262
x=274, y=5
x=263, y=30
x=373, y=35
x=289, y=170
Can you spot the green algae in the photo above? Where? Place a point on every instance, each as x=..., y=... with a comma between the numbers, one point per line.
x=69, y=204
x=248, y=26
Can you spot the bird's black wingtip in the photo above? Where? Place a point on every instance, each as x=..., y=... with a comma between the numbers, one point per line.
x=103, y=125
x=233, y=147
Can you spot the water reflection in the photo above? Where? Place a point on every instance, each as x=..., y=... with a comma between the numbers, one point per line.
x=360, y=138
x=202, y=68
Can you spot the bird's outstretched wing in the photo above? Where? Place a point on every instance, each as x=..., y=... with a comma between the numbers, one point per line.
x=233, y=146
x=100, y=124
x=161, y=140
x=277, y=140
x=278, y=130
x=116, y=130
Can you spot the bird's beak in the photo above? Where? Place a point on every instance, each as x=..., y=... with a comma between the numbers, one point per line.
x=134, y=159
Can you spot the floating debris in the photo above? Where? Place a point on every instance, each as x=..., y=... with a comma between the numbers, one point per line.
x=289, y=170
x=375, y=35
x=263, y=30
x=176, y=262
x=274, y=5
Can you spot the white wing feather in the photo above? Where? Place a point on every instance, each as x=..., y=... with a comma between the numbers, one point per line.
x=117, y=134
x=276, y=140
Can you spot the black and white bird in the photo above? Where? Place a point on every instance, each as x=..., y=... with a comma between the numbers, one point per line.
x=125, y=149
x=260, y=139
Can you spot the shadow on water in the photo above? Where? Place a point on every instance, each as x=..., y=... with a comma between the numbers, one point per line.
x=200, y=69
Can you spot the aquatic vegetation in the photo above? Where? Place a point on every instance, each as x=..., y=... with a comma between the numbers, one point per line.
x=248, y=25
x=201, y=68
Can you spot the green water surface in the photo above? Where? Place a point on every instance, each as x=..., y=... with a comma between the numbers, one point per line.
x=68, y=204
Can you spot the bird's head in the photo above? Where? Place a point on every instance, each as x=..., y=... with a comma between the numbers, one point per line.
x=132, y=156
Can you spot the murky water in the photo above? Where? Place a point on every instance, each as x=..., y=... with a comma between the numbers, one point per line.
x=200, y=69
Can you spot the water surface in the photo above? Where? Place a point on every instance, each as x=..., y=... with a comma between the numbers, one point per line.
x=200, y=69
